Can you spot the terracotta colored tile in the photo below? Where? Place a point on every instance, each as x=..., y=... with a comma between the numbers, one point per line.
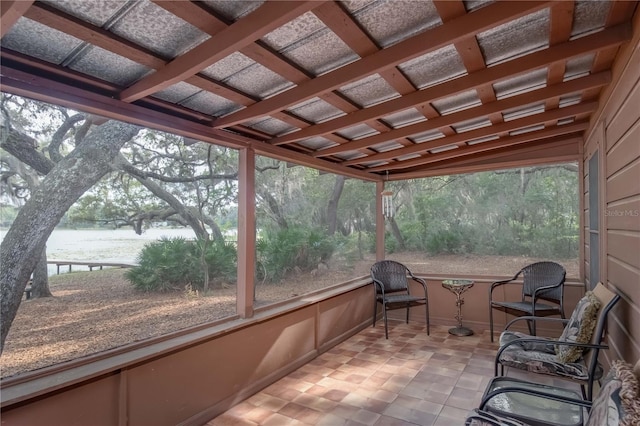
x=258, y=415
x=241, y=409
x=316, y=402
x=229, y=420
x=410, y=415
x=309, y=416
x=345, y=411
x=392, y=421
x=366, y=417
x=409, y=379
x=385, y=396
x=277, y=419
x=335, y=395
x=451, y=415
x=331, y=420
x=317, y=390
x=464, y=398
x=292, y=410
x=273, y=403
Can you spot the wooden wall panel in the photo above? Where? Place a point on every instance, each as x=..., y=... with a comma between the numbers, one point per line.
x=620, y=240
x=625, y=150
x=625, y=277
x=96, y=403
x=624, y=246
x=625, y=117
x=625, y=183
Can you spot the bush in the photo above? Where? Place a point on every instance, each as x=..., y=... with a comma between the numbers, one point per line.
x=174, y=263
x=286, y=250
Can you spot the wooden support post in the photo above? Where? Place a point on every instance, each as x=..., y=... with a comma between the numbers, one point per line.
x=380, y=224
x=246, y=233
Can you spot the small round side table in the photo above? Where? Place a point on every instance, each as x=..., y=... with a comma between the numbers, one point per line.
x=458, y=287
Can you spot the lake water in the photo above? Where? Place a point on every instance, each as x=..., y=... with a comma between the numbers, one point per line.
x=119, y=245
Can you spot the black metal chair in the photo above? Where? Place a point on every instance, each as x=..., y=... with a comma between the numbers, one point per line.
x=543, y=355
x=540, y=281
x=391, y=289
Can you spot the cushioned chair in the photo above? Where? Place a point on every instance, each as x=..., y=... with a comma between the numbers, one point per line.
x=574, y=355
x=540, y=281
x=391, y=289
x=618, y=402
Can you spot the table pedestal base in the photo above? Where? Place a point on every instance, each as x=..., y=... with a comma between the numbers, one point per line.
x=460, y=331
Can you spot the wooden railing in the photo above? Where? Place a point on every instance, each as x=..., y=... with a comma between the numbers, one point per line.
x=91, y=264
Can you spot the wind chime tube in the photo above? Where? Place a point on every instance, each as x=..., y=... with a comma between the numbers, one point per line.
x=387, y=204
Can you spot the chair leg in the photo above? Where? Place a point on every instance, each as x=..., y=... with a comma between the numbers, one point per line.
x=427, y=310
x=408, y=313
x=386, y=329
x=532, y=328
x=375, y=310
x=491, y=324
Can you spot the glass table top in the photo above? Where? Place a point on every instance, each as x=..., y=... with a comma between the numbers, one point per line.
x=534, y=409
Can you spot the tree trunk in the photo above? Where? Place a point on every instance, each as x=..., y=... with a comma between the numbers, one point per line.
x=68, y=180
x=40, y=282
x=395, y=230
x=332, y=208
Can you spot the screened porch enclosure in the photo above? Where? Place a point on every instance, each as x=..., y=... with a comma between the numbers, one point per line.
x=377, y=92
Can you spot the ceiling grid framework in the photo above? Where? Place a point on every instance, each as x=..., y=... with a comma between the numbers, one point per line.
x=374, y=89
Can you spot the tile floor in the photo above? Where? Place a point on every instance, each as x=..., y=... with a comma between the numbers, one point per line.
x=410, y=379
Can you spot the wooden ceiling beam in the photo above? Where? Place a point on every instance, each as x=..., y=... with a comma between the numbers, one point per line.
x=106, y=40
x=495, y=129
x=43, y=89
x=469, y=52
x=260, y=22
x=10, y=12
x=560, y=25
x=429, y=41
x=529, y=98
x=534, y=150
x=539, y=152
x=558, y=131
x=591, y=43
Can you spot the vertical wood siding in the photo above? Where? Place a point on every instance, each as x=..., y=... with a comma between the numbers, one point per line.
x=615, y=133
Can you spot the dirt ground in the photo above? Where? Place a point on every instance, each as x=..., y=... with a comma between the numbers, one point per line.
x=95, y=311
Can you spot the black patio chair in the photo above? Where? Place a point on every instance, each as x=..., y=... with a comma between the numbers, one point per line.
x=518, y=402
x=391, y=288
x=574, y=355
x=540, y=281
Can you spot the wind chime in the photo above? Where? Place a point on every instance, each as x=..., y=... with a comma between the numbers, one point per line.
x=387, y=202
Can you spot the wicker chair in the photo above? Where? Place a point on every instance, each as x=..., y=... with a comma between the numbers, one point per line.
x=540, y=281
x=391, y=289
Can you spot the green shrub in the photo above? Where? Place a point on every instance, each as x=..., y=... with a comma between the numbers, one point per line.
x=174, y=263
x=283, y=251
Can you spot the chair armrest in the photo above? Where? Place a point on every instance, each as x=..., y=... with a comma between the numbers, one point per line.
x=545, y=288
x=533, y=392
x=419, y=280
x=378, y=286
x=535, y=319
x=501, y=282
x=548, y=342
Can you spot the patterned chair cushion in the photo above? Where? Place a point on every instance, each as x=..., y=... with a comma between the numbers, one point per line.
x=618, y=402
x=509, y=336
x=484, y=418
x=545, y=363
x=579, y=329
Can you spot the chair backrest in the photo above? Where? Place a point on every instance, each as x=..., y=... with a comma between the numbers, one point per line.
x=607, y=299
x=618, y=401
x=391, y=274
x=543, y=274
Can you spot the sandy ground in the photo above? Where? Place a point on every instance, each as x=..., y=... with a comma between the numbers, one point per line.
x=95, y=311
